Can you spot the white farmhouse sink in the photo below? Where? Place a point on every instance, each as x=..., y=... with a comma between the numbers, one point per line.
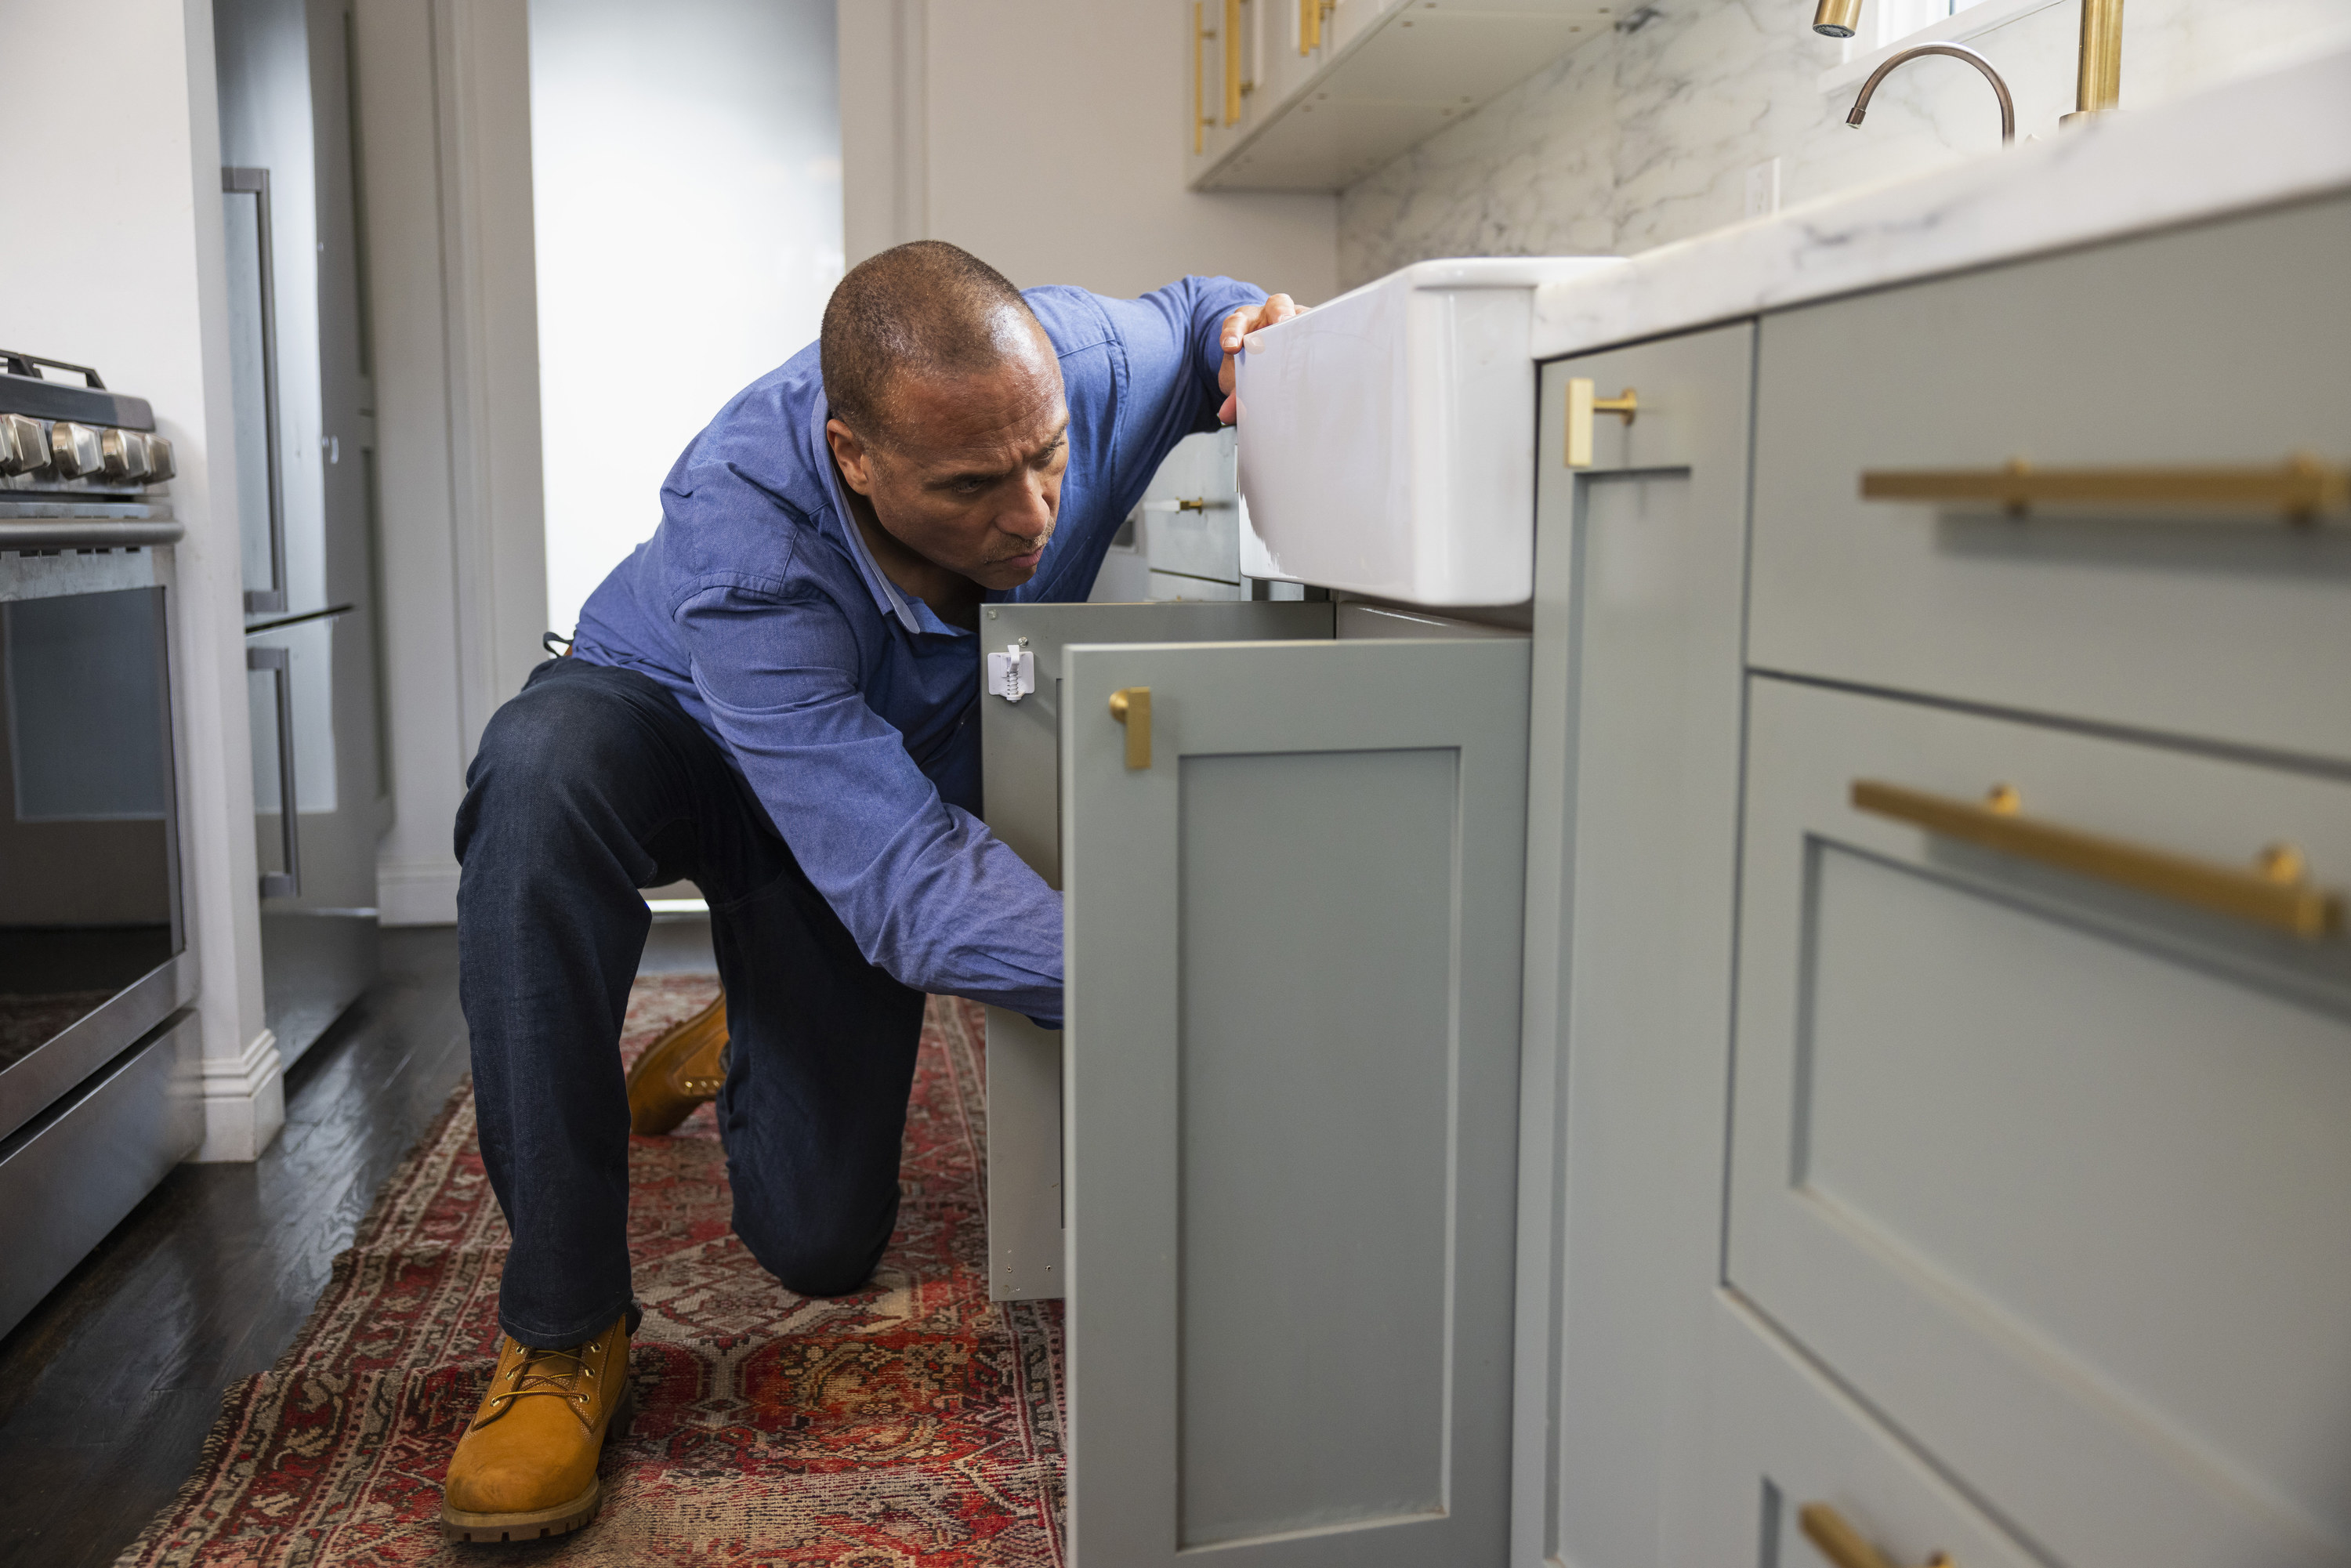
x=1387, y=439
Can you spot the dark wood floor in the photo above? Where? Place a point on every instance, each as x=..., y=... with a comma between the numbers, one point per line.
x=108, y=1389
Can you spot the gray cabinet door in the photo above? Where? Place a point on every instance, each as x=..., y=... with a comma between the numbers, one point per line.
x=1020, y=751
x=1633, y=810
x=1294, y=945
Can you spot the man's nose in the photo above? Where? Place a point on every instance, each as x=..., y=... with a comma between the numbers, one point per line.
x=1030, y=513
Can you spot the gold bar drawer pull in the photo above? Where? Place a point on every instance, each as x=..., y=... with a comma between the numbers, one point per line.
x=2301, y=490
x=1843, y=1545
x=2275, y=891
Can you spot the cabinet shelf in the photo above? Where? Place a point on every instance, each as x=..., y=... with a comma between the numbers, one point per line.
x=1384, y=76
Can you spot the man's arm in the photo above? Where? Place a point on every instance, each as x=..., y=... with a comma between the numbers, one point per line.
x=928, y=894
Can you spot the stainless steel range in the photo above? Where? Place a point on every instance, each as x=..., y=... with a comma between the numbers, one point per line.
x=97, y=1042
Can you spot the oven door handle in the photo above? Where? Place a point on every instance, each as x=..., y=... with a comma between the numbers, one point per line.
x=287, y=883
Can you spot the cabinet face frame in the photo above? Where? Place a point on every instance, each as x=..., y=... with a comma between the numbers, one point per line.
x=1207, y=895
x=1632, y=813
x=1020, y=774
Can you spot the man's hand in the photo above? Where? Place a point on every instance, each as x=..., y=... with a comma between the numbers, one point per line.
x=1237, y=328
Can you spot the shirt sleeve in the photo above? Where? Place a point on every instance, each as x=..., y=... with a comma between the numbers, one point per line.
x=1173, y=358
x=930, y=895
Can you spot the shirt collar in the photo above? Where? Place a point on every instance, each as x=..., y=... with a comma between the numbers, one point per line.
x=886, y=597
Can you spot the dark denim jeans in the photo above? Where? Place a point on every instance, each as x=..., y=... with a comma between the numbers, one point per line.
x=591, y=784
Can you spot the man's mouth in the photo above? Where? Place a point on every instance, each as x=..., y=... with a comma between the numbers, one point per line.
x=1029, y=560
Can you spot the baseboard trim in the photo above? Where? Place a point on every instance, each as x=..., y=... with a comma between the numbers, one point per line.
x=244, y=1100
x=416, y=892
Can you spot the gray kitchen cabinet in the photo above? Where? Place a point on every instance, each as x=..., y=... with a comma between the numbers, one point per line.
x=1633, y=817
x=1020, y=751
x=2045, y=1160
x=1287, y=1090
x=2226, y=346
x=1182, y=541
x=1292, y=1054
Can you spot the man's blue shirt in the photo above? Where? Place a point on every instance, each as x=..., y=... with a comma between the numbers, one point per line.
x=850, y=709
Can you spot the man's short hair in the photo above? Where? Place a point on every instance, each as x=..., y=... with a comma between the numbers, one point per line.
x=927, y=309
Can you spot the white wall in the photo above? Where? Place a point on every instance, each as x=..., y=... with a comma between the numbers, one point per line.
x=685, y=164
x=444, y=137
x=129, y=275
x=1639, y=139
x=1047, y=138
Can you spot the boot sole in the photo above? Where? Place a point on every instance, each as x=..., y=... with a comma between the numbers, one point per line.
x=537, y=1524
x=656, y=1104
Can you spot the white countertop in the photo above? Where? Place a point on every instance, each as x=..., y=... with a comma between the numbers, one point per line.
x=2251, y=143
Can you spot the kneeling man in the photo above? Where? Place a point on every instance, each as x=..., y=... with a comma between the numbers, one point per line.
x=776, y=697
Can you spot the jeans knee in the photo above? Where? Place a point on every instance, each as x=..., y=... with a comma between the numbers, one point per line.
x=550, y=732
x=546, y=759
x=814, y=1259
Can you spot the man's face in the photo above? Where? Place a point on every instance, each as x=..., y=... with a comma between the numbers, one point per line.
x=969, y=477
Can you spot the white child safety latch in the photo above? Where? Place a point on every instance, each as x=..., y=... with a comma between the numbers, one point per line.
x=1012, y=674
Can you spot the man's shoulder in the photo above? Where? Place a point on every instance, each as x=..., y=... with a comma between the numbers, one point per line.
x=1074, y=319
x=755, y=471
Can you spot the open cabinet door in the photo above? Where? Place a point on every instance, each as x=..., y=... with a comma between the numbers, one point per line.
x=1021, y=753
x=1293, y=927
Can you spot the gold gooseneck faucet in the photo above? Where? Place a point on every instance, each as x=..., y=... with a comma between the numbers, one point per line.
x=2098, y=83
x=1957, y=52
x=2097, y=87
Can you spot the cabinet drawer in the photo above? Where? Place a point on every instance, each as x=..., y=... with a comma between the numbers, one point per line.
x=2053, y=1171
x=1677, y=398
x=1785, y=1439
x=2219, y=346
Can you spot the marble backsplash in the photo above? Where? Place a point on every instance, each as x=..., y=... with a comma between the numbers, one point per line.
x=1647, y=136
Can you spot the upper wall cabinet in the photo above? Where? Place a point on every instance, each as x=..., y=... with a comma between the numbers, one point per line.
x=1312, y=95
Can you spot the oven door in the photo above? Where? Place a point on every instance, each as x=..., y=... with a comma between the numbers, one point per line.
x=91, y=940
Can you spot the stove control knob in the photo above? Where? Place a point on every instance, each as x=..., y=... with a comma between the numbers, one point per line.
x=73, y=448
x=159, y=460
x=122, y=455
x=23, y=445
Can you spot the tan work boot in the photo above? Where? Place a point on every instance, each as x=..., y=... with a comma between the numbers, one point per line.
x=527, y=1467
x=678, y=1071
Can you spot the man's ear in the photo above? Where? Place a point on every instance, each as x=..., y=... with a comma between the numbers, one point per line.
x=855, y=458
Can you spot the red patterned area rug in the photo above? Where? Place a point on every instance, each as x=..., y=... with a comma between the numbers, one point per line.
x=915, y=1423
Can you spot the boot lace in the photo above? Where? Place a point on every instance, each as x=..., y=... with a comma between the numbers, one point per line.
x=556, y=1373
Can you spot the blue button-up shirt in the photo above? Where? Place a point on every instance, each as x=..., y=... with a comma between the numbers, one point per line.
x=849, y=708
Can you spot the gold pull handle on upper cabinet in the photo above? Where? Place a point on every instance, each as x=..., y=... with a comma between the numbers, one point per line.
x=1201, y=34
x=2274, y=892
x=1232, y=62
x=1582, y=406
x=1131, y=706
x=1312, y=14
x=1843, y=1545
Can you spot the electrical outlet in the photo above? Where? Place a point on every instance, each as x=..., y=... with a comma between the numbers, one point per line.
x=1763, y=189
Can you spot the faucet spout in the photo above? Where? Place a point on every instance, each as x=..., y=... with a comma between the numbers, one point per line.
x=1957, y=52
